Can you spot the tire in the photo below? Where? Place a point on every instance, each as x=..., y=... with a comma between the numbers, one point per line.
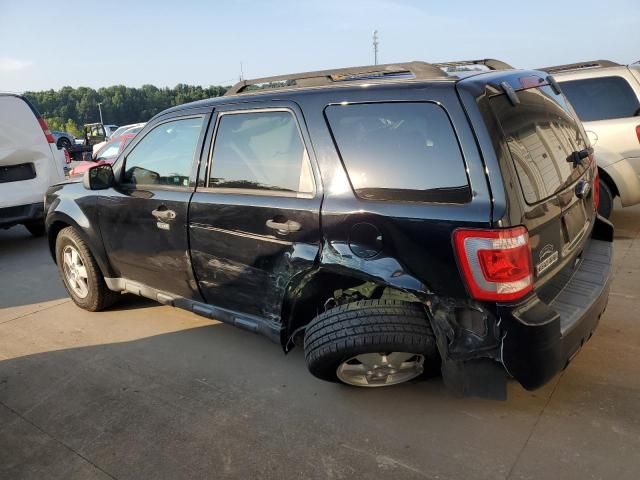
x=63, y=143
x=98, y=296
x=336, y=337
x=605, y=206
x=36, y=228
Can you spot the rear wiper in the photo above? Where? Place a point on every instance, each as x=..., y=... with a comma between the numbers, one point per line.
x=577, y=156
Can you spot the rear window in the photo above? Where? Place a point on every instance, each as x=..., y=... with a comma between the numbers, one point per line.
x=601, y=98
x=542, y=133
x=400, y=152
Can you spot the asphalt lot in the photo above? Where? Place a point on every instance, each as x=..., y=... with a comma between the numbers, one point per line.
x=148, y=391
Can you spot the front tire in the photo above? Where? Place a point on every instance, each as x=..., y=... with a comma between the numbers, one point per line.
x=80, y=273
x=605, y=205
x=371, y=343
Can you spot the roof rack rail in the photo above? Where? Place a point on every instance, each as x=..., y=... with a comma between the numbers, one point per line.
x=580, y=66
x=490, y=63
x=418, y=70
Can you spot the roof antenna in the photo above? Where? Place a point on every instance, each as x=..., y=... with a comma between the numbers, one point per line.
x=375, y=47
x=241, y=72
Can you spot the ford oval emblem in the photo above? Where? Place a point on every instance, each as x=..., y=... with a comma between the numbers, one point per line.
x=582, y=189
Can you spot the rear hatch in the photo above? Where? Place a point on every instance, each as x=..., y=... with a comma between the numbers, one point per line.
x=555, y=171
x=29, y=161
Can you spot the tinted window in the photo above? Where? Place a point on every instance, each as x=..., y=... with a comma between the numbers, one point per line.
x=260, y=150
x=601, y=98
x=165, y=154
x=400, y=151
x=542, y=134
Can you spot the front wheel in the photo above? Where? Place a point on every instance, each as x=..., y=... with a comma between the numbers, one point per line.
x=80, y=273
x=371, y=343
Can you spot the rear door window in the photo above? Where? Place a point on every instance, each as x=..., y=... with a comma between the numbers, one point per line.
x=400, y=152
x=542, y=134
x=601, y=98
x=261, y=150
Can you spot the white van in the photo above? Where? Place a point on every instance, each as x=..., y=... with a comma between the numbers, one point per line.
x=29, y=163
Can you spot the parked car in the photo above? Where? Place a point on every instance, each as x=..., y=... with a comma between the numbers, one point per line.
x=107, y=154
x=63, y=139
x=390, y=219
x=29, y=163
x=97, y=132
x=606, y=97
x=93, y=133
x=131, y=128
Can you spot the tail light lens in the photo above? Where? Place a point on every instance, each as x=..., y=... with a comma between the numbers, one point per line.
x=638, y=132
x=45, y=129
x=495, y=264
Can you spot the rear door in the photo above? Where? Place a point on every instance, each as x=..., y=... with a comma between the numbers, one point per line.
x=254, y=223
x=546, y=143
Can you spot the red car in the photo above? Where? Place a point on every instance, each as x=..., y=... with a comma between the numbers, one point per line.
x=107, y=154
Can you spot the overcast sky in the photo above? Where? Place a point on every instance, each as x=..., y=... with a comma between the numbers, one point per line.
x=51, y=44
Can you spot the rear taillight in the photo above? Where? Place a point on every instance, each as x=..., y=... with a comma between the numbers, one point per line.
x=45, y=129
x=638, y=132
x=496, y=264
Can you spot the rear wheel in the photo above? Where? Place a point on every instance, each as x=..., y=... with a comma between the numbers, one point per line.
x=80, y=273
x=605, y=205
x=63, y=143
x=371, y=343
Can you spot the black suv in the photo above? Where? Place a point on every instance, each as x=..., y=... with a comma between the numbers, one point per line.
x=393, y=219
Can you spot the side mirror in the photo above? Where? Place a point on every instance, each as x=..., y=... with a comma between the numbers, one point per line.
x=99, y=177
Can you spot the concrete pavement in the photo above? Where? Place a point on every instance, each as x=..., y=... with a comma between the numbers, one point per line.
x=148, y=391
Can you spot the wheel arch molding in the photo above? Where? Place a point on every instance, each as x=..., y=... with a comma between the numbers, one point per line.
x=57, y=220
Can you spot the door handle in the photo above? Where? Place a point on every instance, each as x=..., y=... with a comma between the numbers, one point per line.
x=285, y=227
x=163, y=214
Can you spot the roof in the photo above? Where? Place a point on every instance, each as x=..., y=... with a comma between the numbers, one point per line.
x=490, y=63
x=580, y=66
x=407, y=74
x=411, y=70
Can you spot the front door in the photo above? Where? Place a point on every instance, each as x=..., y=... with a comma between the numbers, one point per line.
x=255, y=225
x=144, y=218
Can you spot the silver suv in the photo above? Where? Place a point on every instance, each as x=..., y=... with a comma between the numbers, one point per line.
x=606, y=97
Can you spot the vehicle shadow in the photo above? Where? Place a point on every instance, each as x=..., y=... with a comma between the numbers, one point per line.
x=28, y=274
x=185, y=404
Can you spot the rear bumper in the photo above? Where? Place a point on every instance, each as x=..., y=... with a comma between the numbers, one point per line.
x=10, y=216
x=542, y=338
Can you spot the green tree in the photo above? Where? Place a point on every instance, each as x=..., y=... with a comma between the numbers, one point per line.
x=69, y=108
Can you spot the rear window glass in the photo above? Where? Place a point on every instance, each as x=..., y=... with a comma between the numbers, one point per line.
x=601, y=98
x=400, y=152
x=542, y=134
